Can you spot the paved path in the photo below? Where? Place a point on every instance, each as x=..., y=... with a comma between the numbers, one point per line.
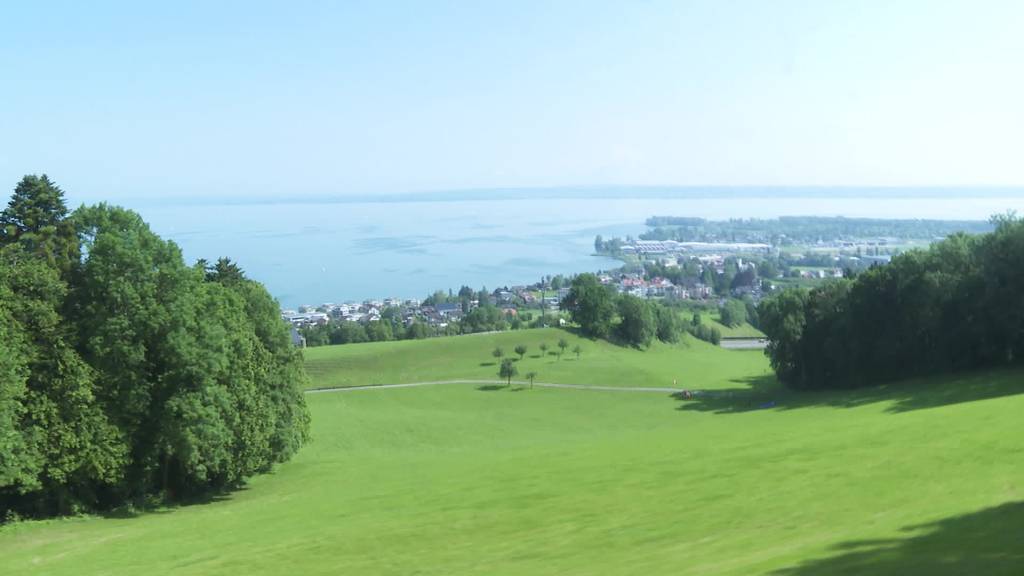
x=498, y=382
x=743, y=343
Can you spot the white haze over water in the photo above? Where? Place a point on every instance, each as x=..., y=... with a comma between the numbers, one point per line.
x=334, y=251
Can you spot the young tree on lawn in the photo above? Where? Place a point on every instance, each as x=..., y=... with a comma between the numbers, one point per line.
x=531, y=376
x=562, y=345
x=577, y=350
x=521, y=351
x=497, y=352
x=543, y=348
x=508, y=370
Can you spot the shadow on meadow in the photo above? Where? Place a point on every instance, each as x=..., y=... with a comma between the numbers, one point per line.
x=982, y=542
x=766, y=393
x=153, y=505
x=499, y=387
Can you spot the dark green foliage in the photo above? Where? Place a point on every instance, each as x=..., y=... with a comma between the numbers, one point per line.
x=706, y=333
x=637, y=326
x=590, y=305
x=484, y=318
x=520, y=350
x=753, y=318
x=734, y=313
x=417, y=331
x=379, y=331
x=36, y=219
x=958, y=305
x=125, y=373
x=669, y=326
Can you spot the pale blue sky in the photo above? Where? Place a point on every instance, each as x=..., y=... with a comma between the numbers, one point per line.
x=120, y=100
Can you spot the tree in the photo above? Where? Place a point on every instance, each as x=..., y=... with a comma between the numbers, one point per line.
x=577, y=350
x=521, y=350
x=669, y=325
x=65, y=446
x=590, y=305
x=562, y=345
x=497, y=352
x=224, y=271
x=637, y=326
x=508, y=370
x=783, y=319
x=543, y=348
x=125, y=373
x=417, y=331
x=36, y=218
x=733, y=313
x=531, y=376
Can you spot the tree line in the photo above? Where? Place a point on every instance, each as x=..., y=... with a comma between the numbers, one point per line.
x=126, y=375
x=958, y=305
x=602, y=313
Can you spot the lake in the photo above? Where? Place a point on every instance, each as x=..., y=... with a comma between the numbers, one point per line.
x=315, y=251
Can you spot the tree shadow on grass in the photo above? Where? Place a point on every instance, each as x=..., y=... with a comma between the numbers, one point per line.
x=766, y=393
x=515, y=387
x=983, y=542
x=488, y=364
x=153, y=505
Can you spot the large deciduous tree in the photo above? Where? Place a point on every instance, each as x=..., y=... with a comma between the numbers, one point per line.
x=590, y=305
x=124, y=372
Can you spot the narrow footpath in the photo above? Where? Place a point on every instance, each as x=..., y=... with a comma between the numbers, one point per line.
x=497, y=382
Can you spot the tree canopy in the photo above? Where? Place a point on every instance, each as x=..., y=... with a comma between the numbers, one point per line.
x=590, y=305
x=957, y=305
x=126, y=373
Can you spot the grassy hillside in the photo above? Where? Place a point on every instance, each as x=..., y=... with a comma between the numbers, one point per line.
x=692, y=363
x=920, y=478
x=457, y=480
x=744, y=330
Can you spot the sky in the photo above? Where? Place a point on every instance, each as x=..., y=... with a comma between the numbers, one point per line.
x=258, y=99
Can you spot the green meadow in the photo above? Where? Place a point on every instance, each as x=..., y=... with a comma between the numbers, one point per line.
x=917, y=478
x=690, y=363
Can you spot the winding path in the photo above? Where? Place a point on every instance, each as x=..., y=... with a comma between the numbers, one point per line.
x=497, y=382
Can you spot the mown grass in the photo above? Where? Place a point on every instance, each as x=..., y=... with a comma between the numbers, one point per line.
x=690, y=363
x=921, y=478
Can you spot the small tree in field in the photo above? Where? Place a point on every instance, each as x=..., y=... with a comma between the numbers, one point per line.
x=521, y=351
x=577, y=351
x=562, y=345
x=543, y=348
x=508, y=370
x=498, y=352
x=530, y=376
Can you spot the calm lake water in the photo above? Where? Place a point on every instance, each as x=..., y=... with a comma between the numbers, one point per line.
x=314, y=252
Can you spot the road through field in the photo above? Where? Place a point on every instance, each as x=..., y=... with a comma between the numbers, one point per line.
x=498, y=382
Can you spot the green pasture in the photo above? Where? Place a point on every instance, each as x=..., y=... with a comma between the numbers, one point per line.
x=919, y=478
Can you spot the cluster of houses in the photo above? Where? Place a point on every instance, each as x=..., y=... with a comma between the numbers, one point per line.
x=510, y=301
x=413, y=310
x=637, y=285
x=668, y=247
